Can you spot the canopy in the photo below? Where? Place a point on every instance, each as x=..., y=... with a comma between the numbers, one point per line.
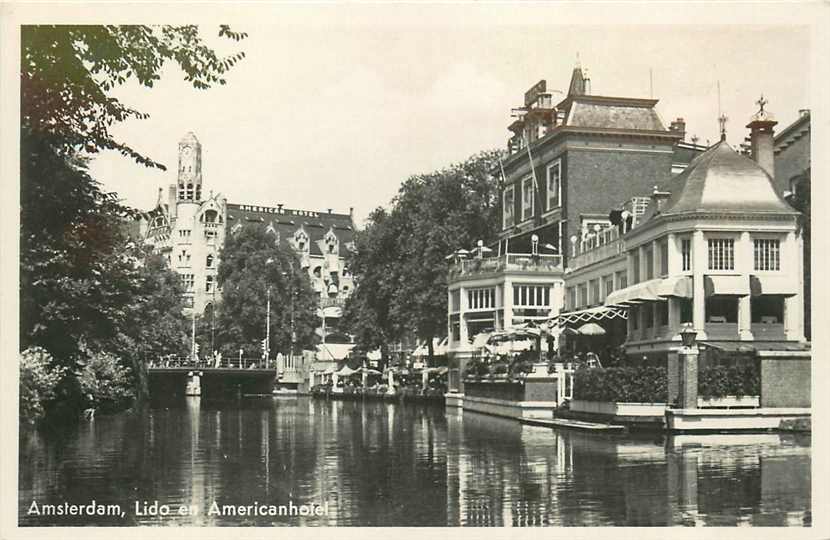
x=726, y=285
x=369, y=371
x=779, y=285
x=480, y=340
x=513, y=333
x=651, y=291
x=590, y=314
x=345, y=371
x=591, y=329
x=333, y=351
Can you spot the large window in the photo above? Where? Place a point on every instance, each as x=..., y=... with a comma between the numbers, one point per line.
x=649, y=262
x=721, y=254
x=508, y=218
x=531, y=295
x=572, y=297
x=527, y=198
x=664, y=257
x=187, y=281
x=622, y=280
x=209, y=284
x=594, y=284
x=636, y=260
x=554, y=185
x=484, y=298
x=455, y=300
x=767, y=255
x=583, y=294
x=767, y=309
x=686, y=253
x=722, y=309
x=608, y=285
x=634, y=317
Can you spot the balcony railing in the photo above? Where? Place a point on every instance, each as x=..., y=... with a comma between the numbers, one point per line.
x=510, y=262
x=597, y=253
x=332, y=302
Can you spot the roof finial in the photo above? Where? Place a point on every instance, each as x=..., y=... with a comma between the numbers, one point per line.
x=695, y=138
x=578, y=63
x=761, y=102
x=722, y=119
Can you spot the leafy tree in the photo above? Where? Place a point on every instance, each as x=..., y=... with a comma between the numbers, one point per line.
x=84, y=288
x=251, y=263
x=105, y=382
x=399, y=263
x=67, y=73
x=38, y=380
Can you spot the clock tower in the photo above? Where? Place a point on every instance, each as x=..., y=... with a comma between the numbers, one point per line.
x=189, y=186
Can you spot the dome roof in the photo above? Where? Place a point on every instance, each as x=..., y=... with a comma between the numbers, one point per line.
x=723, y=181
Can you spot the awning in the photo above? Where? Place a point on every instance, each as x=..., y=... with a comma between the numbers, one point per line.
x=333, y=351
x=345, y=371
x=590, y=314
x=480, y=340
x=678, y=286
x=769, y=285
x=726, y=285
x=647, y=291
x=752, y=346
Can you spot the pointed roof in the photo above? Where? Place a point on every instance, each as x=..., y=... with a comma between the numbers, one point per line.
x=723, y=181
x=577, y=87
x=189, y=137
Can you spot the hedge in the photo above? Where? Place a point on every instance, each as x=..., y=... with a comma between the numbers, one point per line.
x=640, y=384
x=739, y=380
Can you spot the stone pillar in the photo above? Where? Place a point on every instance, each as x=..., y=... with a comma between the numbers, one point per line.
x=363, y=377
x=643, y=263
x=507, y=295
x=334, y=379
x=390, y=382
x=674, y=314
x=744, y=265
x=655, y=259
x=673, y=378
x=699, y=265
x=424, y=379
x=792, y=265
x=450, y=340
x=462, y=323
x=629, y=266
x=688, y=377
x=675, y=255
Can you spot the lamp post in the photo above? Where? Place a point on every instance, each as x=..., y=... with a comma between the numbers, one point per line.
x=687, y=398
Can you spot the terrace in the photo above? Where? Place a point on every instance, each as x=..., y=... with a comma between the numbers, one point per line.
x=508, y=262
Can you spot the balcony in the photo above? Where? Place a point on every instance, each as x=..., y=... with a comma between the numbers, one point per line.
x=332, y=302
x=510, y=262
x=598, y=246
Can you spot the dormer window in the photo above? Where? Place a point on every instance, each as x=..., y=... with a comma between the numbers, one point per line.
x=210, y=216
x=301, y=240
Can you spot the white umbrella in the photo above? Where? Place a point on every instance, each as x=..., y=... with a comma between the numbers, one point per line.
x=591, y=329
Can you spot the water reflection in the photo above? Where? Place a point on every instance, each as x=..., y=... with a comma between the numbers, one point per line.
x=390, y=464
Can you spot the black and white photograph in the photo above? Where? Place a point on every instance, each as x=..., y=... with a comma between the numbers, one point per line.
x=412, y=265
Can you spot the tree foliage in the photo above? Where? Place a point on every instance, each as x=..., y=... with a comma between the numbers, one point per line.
x=399, y=262
x=86, y=289
x=38, y=380
x=67, y=73
x=252, y=262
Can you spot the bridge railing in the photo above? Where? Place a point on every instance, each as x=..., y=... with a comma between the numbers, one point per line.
x=211, y=363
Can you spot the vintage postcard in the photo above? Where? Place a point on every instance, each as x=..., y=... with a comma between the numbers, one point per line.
x=412, y=265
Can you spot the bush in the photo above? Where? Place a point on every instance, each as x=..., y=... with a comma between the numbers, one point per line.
x=499, y=368
x=105, y=382
x=743, y=379
x=38, y=380
x=637, y=384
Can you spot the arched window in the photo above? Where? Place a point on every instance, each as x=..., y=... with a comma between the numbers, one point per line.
x=210, y=216
x=209, y=261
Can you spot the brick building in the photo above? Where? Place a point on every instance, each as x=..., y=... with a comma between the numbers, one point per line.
x=570, y=161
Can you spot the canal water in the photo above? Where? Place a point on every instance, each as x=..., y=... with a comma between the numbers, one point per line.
x=385, y=464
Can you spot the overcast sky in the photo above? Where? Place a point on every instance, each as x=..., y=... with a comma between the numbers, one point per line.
x=336, y=116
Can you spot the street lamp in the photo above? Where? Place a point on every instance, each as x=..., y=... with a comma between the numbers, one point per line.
x=688, y=335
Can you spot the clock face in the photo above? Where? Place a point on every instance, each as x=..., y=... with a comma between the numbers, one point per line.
x=186, y=151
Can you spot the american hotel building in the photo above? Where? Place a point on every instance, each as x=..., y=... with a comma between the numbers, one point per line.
x=568, y=163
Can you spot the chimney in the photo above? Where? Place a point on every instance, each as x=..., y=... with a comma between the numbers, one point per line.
x=679, y=126
x=351, y=213
x=330, y=210
x=279, y=208
x=659, y=198
x=761, y=138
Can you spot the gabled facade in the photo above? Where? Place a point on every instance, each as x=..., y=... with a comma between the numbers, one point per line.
x=190, y=229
